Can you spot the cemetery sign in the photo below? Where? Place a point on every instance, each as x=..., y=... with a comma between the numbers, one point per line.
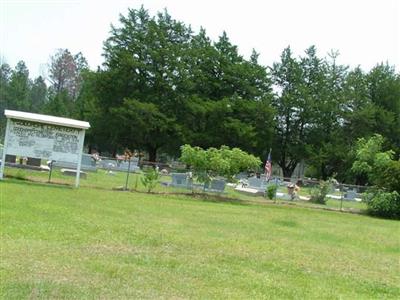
x=46, y=137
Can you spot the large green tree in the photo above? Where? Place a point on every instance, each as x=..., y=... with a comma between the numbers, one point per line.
x=373, y=104
x=143, y=61
x=38, y=95
x=5, y=74
x=196, y=91
x=384, y=92
x=19, y=88
x=293, y=104
x=327, y=149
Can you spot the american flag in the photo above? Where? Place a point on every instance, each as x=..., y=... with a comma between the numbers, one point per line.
x=268, y=166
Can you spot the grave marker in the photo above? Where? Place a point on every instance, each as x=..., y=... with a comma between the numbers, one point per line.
x=216, y=185
x=35, y=162
x=181, y=180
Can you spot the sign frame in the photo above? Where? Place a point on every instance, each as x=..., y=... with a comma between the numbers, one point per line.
x=76, y=125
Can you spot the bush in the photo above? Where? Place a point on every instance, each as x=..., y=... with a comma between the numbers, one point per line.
x=271, y=191
x=383, y=204
x=150, y=179
x=389, y=178
x=318, y=195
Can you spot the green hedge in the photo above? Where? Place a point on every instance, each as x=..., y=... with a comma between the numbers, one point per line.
x=384, y=204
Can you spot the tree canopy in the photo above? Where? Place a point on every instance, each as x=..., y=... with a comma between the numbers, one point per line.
x=162, y=85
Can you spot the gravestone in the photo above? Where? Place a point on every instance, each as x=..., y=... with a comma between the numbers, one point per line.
x=259, y=184
x=87, y=163
x=122, y=166
x=275, y=181
x=11, y=158
x=72, y=172
x=241, y=175
x=87, y=160
x=108, y=164
x=350, y=195
x=216, y=185
x=254, y=182
x=35, y=162
x=177, y=165
x=181, y=180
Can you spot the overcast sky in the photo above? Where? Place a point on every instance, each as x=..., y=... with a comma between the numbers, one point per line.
x=364, y=31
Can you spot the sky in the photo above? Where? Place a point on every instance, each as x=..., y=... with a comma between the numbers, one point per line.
x=365, y=32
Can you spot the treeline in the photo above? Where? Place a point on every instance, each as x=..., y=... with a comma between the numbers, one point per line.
x=162, y=86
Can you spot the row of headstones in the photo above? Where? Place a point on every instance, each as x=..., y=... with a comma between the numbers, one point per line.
x=183, y=180
x=123, y=166
x=90, y=164
x=87, y=163
x=258, y=183
x=261, y=183
x=31, y=161
x=178, y=179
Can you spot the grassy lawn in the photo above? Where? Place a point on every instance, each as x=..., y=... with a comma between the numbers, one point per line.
x=58, y=242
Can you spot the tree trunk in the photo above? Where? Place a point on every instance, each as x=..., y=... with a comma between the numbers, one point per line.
x=152, y=154
x=287, y=172
x=324, y=174
x=288, y=169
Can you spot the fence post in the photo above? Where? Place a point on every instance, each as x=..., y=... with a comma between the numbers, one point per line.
x=341, y=197
x=127, y=175
x=51, y=169
x=136, y=182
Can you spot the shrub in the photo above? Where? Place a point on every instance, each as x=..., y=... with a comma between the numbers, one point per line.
x=389, y=178
x=383, y=204
x=318, y=195
x=150, y=179
x=271, y=191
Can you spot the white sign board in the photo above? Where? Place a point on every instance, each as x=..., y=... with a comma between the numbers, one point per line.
x=51, y=142
x=46, y=137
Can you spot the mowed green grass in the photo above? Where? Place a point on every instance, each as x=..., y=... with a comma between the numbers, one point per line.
x=64, y=243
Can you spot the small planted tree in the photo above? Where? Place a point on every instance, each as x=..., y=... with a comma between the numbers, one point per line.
x=198, y=160
x=271, y=191
x=318, y=194
x=213, y=162
x=150, y=179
